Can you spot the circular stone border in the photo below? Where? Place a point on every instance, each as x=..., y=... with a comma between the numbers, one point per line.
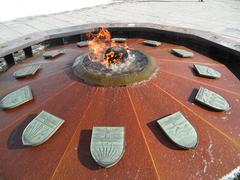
x=113, y=81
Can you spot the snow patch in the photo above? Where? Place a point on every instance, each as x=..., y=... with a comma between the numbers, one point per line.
x=233, y=175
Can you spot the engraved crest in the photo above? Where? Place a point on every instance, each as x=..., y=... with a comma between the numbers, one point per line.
x=179, y=130
x=207, y=71
x=83, y=43
x=212, y=100
x=107, y=145
x=53, y=53
x=182, y=53
x=119, y=40
x=40, y=129
x=16, y=98
x=152, y=43
x=27, y=71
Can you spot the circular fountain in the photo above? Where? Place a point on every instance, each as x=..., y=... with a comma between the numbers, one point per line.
x=111, y=64
x=137, y=68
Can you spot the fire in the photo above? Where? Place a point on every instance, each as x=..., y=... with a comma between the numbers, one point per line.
x=102, y=49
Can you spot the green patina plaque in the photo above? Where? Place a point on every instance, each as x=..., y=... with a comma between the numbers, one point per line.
x=27, y=71
x=53, y=53
x=107, y=145
x=119, y=40
x=206, y=71
x=83, y=43
x=182, y=53
x=40, y=129
x=179, y=130
x=16, y=98
x=212, y=100
x=151, y=43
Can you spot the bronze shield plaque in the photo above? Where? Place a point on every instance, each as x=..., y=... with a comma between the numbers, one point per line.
x=83, y=43
x=212, y=100
x=206, y=71
x=107, y=145
x=17, y=98
x=182, y=53
x=151, y=43
x=53, y=53
x=41, y=128
x=179, y=130
x=119, y=40
x=27, y=71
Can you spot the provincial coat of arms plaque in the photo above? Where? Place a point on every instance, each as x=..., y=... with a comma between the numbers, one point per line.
x=107, y=145
x=119, y=40
x=151, y=43
x=16, y=98
x=182, y=53
x=27, y=71
x=53, y=53
x=179, y=130
x=206, y=71
x=82, y=43
x=212, y=100
x=40, y=129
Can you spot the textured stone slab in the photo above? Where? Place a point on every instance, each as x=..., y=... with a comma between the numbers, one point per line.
x=151, y=43
x=182, y=53
x=212, y=100
x=83, y=43
x=107, y=145
x=16, y=98
x=3, y=65
x=119, y=40
x=179, y=130
x=206, y=71
x=53, y=53
x=27, y=71
x=41, y=128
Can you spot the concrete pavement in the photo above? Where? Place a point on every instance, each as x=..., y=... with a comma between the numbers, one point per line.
x=221, y=17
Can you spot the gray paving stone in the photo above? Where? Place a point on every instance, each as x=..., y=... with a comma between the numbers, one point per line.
x=216, y=16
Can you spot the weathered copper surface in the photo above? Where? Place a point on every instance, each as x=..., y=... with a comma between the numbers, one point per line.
x=151, y=43
x=149, y=153
x=40, y=129
x=107, y=145
x=179, y=130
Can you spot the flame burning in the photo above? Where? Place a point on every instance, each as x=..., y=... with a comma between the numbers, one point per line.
x=99, y=43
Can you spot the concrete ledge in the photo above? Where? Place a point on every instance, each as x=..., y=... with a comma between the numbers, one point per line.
x=217, y=47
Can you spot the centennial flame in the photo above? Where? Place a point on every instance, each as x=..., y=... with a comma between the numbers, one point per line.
x=102, y=49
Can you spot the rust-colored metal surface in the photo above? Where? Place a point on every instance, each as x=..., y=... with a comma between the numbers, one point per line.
x=149, y=153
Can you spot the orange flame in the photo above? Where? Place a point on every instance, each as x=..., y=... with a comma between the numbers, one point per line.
x=99, y=43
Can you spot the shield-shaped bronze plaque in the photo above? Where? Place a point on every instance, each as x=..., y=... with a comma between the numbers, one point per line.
x=16, y=98
x=182, y=53
x=83, y=43
x=212, y=100
x=53, y=53
x=119, y=40
x=179, y=130
x=40, y=129
x=206, y=71
x=151, y=43
x=27, y=71
x=107, y=145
